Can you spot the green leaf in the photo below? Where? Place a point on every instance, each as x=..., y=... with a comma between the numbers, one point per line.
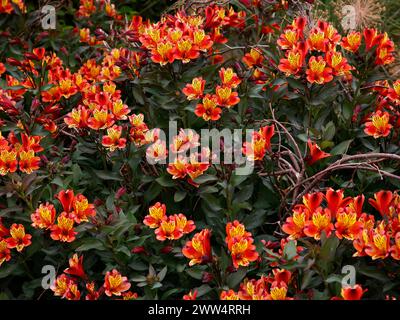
x=341, y=148
x=290, y=250
x=107, y=175
x=166, y=181
x=179, y=195
x=91, y=244
x=205, y=178
x=235, y=278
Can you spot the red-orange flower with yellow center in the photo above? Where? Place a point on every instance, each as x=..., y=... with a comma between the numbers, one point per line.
x=379, y=125
x=318, y=72
x=225, y=96
x=202, y=41
x=278, y=292
x=208, y=110
x=182, y=223
x=168, y=229
x=320, y=222
x=119, y=110
x=44, y=216
x=64, y=229
x=178, y=168
x=28, y=162
x=243, y=252
x=379, y=242
x=77, y=118
x=338, y=63
x=156, y=214
x=186, y=51
x=295, y=224
x=8, y=162
x=113, y=140
x=253, y=58
x=115, y=284
x=163, y=53
x=260, y=142
x=61, y=285
x=229, y=78
x=195, y=89
x=292, y=64
x=352, y=41
x=82, y=209
x=198, y=250
x=18, y=239
x=100, y=119
x=317, y=40
x=347, y=225
x=288, y=39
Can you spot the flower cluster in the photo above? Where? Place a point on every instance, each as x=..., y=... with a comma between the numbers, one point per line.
x=345, y=218
x=67, y=285
x=76, y=209
x=381, y=238
x=13, y=238
x=89, y=7
x=240, y=244
x=194, y=165
x=171, y=227
x=324, y=62
x=224, y=96
x=22, y=153
x=260, y=143
x=272, y=287
x=387, y=112
x=184, y=37
x=311, y=218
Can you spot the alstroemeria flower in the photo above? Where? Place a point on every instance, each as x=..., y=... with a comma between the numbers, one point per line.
x=379, y=125
x=44, y=216
x=76, y=266
x=18, y=239
x=225, y=96
x=352, y=292
x=229, y=78
x=64, y=229
x=113, y=140
x=208, y=109
x=157, y=213
x=320, y=222
x=115, y=284
x=253, y=58
x=318, y=71
x=195, y=89
x=352, y=41
x=315, y=153
x=198, y=250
